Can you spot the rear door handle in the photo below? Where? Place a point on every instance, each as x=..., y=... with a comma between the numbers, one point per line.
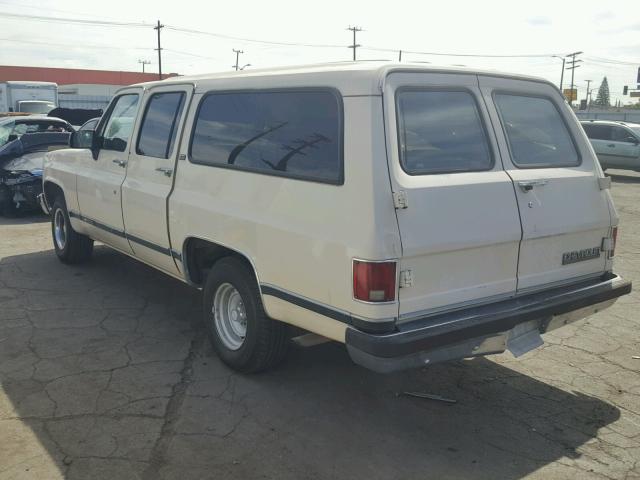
x=167, y=171
x=613, y=145
x=120, y=163
x=527, y=186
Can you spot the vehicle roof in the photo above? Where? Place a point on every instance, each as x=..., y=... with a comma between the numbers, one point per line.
x=31, y=118
x=612, y=122
x=351, y=78
x=30, y=83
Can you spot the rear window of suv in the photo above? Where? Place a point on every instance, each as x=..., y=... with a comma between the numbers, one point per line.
x=538, y=136
x=440, y=132
x=296, y=134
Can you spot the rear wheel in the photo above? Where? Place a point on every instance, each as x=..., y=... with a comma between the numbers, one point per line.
x=243, y=336
x=70, y=246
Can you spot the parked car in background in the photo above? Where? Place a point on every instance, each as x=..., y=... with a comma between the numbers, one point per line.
x=21, y=163
x=617, y=144
x=12, y=128
x=415, y=214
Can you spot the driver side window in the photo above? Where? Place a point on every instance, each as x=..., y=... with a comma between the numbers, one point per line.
x=117, y=130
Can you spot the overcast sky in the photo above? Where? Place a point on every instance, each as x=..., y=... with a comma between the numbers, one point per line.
x=606, y=31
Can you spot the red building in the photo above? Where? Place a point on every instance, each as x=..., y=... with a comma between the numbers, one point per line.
x=79, y=88
x=76, y=76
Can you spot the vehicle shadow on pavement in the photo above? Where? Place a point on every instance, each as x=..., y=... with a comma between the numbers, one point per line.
x=108, y=367
x=23, y=218
x=617, y=178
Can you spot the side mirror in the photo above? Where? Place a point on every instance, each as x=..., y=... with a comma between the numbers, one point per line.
x=81, y=139
x=631, y=139
x=86, y=139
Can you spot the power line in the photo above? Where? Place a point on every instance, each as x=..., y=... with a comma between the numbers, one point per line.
x=613, y=61
x=626, y=68
x=107, y=23
x=252, y=40
x=39, y=8
x=442, y=54
x=75, y=45
x=97, y=23
x=189, y=54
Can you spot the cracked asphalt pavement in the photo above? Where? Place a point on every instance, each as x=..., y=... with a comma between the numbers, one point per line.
x=106, y=373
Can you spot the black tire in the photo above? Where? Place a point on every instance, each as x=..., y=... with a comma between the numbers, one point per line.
x=76, y=248
x=7, y=207
x=266, y=341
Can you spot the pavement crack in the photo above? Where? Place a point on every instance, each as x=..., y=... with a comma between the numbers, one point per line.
x=157, y=458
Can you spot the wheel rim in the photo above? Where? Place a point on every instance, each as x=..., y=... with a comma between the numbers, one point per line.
x=229, y=316
x=60, y=229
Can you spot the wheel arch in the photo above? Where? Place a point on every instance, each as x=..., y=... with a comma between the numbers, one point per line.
x=51, y=190
x=200, y=254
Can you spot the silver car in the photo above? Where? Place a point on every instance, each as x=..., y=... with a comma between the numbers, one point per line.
x=617, y=144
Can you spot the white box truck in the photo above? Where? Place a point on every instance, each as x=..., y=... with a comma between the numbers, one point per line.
x=28, y=97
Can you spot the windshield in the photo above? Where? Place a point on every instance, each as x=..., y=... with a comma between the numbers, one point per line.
x=5, y=130
x=636, y=130
x=13, y=129
x=36, y=107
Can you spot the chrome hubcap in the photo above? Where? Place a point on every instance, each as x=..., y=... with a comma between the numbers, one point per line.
x=60, y=229
x=229, y=316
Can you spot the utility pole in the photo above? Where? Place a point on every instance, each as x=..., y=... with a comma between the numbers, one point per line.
x=588, y=84
x=237, y=52
x=400, y=56
x=144, y=62
x=562, y=72
x=159, y=27
x=573, y=65
x=354, y=45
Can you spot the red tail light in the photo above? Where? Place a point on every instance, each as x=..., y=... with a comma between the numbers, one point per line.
x=614, y=237
x=374, y=281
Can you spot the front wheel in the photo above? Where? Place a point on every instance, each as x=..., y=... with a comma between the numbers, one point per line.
x=242, y=334
x=70, y=246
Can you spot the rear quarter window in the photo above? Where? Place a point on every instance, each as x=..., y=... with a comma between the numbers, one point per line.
x=537, y=135
x=296, y=134
x=440, y=132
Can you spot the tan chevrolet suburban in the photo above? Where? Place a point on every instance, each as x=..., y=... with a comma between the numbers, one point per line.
x=415, y=214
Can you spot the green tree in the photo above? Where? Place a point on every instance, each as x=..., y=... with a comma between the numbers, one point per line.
x=604, y=98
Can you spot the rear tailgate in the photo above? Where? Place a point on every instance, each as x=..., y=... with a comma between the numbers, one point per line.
x=565, y=215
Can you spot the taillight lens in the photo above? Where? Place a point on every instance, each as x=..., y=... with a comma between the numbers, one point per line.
x=614, y=237
x=374, y=281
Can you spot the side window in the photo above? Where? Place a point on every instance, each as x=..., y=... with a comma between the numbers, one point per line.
x=440, y=132
x=622, y=135
x=117, y=130
x=537, y=135
x=90, y=124
x=159, y=125
x=597, y=132
x=296, y=134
